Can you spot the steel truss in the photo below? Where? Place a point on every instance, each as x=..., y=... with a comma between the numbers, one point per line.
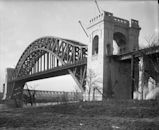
x=46, y=54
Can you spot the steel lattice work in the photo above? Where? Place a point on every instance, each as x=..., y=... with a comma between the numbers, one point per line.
x=49, y=57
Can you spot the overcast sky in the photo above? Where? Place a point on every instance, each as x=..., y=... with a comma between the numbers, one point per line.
x=23, y=22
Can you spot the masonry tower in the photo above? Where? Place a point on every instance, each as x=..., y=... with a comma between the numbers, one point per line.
x=106, y=32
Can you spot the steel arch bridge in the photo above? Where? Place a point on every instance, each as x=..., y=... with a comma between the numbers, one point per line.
x=48, y=57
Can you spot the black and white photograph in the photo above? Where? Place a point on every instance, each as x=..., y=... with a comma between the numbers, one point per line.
x=79, y=65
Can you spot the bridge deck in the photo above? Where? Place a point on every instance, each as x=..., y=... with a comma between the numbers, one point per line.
x=57, y=71
x=138, y=53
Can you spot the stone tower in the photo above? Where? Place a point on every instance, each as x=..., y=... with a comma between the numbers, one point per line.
x=105, y=30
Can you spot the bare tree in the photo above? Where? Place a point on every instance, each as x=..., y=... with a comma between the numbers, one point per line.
x=30, y=96
x=153, y=61
x=152, y=40
x=92, y=82
x=77, y=95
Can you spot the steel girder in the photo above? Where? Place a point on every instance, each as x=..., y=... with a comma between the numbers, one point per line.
x=48, y=53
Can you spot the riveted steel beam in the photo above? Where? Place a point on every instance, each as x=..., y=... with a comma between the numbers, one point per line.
x=51, y=53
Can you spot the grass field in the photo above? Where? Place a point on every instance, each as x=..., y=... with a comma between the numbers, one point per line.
x=108, y=115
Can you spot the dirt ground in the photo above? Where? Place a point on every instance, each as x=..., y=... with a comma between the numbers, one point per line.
x=108, y=115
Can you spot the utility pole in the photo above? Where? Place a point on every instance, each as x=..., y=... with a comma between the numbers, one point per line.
x=97, y=6
x=83, y=28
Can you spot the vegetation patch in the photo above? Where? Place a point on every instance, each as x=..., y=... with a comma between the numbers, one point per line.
x=111, y=114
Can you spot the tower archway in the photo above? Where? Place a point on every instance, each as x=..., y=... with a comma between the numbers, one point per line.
x=119, y=43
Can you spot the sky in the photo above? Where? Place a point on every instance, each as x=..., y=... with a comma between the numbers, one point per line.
x=22, y=22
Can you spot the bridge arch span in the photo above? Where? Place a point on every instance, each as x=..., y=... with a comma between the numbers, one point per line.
x=54, y=44
x=48, y=55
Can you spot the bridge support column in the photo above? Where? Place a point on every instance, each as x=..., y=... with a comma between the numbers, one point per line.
x=8, y=85
x=143, y=83
x=17, y=93
x=117, y=79
x=107, y=81
x=13, y=90
x=132, y=75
